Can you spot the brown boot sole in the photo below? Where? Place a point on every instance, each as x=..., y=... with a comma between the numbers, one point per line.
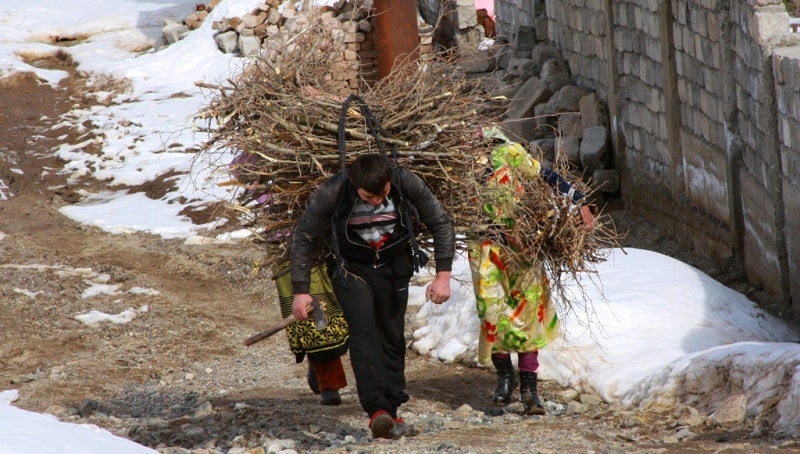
x=534, y=411
x=382, y=427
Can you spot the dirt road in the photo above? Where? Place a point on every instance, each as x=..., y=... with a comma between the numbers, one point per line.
x=178, y=375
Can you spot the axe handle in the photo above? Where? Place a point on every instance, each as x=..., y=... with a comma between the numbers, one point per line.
x=270, y=331
x=258, y=337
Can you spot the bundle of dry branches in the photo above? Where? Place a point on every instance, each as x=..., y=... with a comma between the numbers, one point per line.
x=282, y=115
x=547, y=229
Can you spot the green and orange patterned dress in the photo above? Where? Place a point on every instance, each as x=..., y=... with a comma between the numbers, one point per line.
x=513, y=301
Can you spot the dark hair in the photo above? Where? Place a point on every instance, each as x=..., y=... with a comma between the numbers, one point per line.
x=371, y=172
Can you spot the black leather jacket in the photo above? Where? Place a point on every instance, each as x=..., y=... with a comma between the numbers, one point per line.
x=329, y=208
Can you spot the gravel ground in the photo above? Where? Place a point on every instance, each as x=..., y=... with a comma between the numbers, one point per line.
x=178, y=377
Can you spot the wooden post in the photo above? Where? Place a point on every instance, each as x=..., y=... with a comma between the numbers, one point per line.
x=396, y=34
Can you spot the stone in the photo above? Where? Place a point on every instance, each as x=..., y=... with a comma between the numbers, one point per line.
x=532, y=92
x=689, y=416
x=520, y=130
x=567, y=99
x=504, y=55
x=525, y=39
x=593, y=111
x=594, y=148
x=481, y=61
x=570, y=125
x=193, y=21
x=545, y=118
x=227, y=41
x=732, y=410
x=542, y=53
x=607, y=181
x=173, y=32
x=249, y=45
x=555, y=72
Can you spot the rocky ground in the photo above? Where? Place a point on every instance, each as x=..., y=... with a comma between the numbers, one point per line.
x=178, y=377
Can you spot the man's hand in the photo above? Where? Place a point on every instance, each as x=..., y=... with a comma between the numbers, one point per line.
x=299, y=306
x=438, y=291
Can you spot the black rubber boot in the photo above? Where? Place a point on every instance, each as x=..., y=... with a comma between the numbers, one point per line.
x=528, y=395
x=506, y=380
x=330, y=397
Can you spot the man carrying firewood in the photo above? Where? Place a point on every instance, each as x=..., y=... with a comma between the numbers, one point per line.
x=364, y=216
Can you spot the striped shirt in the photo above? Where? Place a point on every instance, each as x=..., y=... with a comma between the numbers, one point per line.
x=373, y=224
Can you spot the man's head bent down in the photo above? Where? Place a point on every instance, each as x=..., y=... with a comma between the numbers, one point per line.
x=371, y=175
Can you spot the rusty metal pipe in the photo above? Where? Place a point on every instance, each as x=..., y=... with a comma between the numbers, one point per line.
x=396, y=33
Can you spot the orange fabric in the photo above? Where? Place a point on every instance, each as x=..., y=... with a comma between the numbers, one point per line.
x=330, y=374
x=487, y=22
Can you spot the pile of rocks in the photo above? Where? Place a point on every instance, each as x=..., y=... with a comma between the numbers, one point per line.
x=272, y=24
x=174, y=31
x=545, y=109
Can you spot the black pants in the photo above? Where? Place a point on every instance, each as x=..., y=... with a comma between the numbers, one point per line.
x=374, y=302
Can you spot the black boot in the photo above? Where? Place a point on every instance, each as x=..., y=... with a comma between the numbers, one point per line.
x=506, y=380
x=527, y=390
x=330, y=397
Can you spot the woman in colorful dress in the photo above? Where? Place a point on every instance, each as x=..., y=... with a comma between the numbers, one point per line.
x=513, y=299
x=324, y=349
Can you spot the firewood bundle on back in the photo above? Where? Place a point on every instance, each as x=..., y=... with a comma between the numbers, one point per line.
x=287, y=123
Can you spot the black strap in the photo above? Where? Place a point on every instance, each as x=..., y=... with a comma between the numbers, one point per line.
x=373, y=125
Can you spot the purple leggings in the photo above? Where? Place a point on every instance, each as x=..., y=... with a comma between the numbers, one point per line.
x=527, y=361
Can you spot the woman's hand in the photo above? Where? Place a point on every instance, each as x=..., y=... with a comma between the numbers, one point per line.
x=300, y=306
x=588, y=218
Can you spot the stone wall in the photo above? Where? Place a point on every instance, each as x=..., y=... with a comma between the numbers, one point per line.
x=704, y=103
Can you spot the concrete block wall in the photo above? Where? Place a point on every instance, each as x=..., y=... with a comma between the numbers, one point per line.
x=693, y=31
x=641, y=103
x=579, y=27
x=754, y=28
x=786, y=67
x=513, y=14
x=699, y=75
x=704, y=101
